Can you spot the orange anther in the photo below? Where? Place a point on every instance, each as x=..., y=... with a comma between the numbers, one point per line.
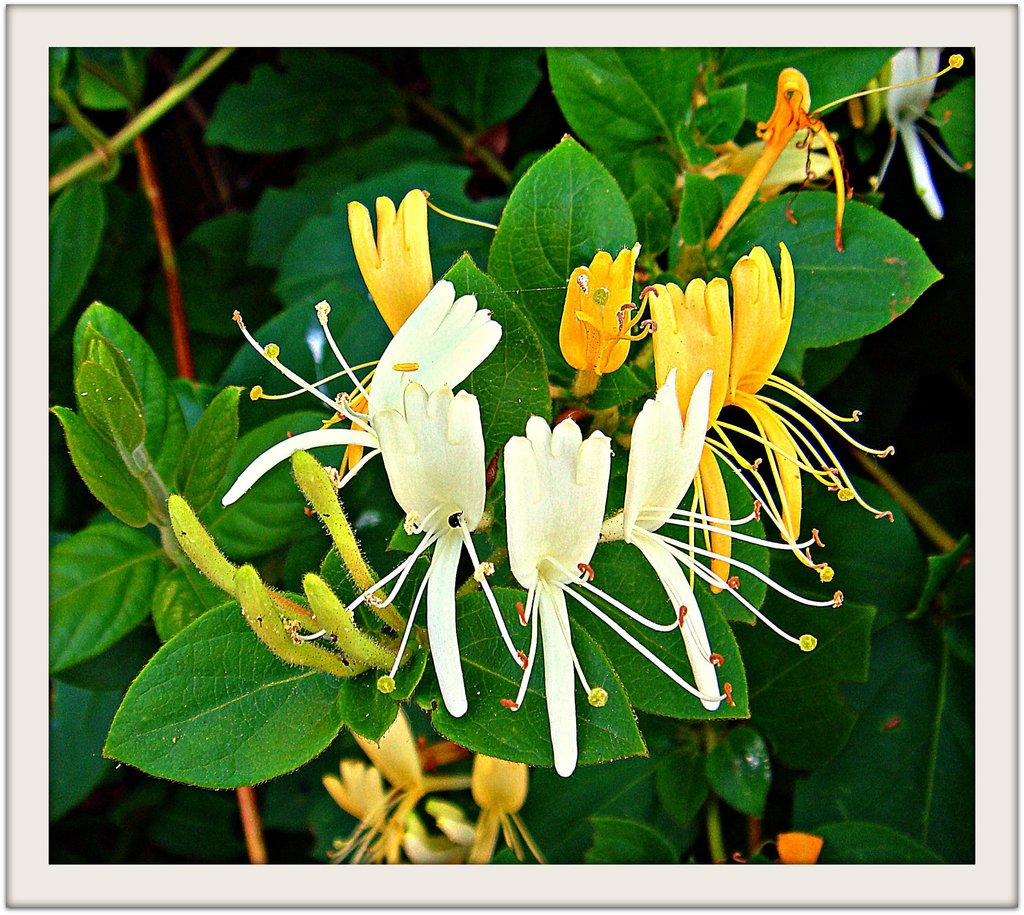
x=522, y=612
x=837, y=599
x=508, y=703
x=682, y=615
x=733, y=582
x=307, y=511
x=817, y=539
x=888, y=515
x=524, y=661
x=716, y=659
x=892, y=723
x=587, y=570
x=757, y=509
x=288, y=433
x=727, y=687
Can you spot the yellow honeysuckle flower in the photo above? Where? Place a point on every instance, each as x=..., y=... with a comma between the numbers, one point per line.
x=598, y=320
x=395, y=264
x=694, y=333
x=383, y=817
x=499, y=788
x=791, y=114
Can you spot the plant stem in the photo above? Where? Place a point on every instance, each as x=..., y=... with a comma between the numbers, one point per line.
x=175, y=301
x=252, y=826
x=925, y=523
x=150, y=114
x=469, y=142
x=713, y=813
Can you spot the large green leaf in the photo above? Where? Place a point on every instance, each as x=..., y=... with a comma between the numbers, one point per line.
x=367, y=711
x=623, y=96
x=512, y=383
x=869, y=843
x=214, y=708
x=564, y=210
x=721, y=118
x=112, y=409
x=740, y=772
x=484, y=85
x=205, y=457
x=491, y=675
x=840, y=295
x=101, y=586
x=909, y=763
x=794, y=696
x=165, y=426
x=103, y=471
x=832, y=72
x=321, y=96
x=621, y=841
x=77, y=220
x=79, y=720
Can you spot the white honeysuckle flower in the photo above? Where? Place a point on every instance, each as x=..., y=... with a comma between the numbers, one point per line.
x=663, y=459
x=555, y=490
x=433, y=450
x=439, y=345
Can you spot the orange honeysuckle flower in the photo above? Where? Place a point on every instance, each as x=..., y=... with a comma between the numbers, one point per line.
x=694, y=333
x=791, y=114
x=798, y=848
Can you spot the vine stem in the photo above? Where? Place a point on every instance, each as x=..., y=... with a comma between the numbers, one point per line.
x=917, y=513
x=713, y=813
x=145, y=118
x=175, y=301
x=469, y=142
x=252, y=825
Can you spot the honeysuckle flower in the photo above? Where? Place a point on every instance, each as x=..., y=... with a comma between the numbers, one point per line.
x=906, y=106
x=383, y=816
x=555, y=490
x=421, y=847
x=799, y=847
x=499, y=789
x=433, y=451
x=395, y=264
x=792, y=113
x=695, y=334
x=598, y=318
x=798, y=163
x=663, y=459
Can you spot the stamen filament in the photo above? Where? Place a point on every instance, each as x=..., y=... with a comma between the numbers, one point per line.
x=640, y=618
x=359, y=465
x=525, y=682
x=563, y=624
x=312, y=636
x=409, y=625
x=877, y=452
x=736, y=535
x=323, y=309
x=488, y=593
x=797, y=393
x=402, y=572
x=467, y=220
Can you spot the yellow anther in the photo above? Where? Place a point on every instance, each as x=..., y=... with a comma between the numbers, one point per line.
x=826, y=573
x=598, y=697
x=846, y=494
x=808, y=643
x=386, y=684
x=956, y=61
x=406, y=366
x=411, y=523
x=256, y=393
x=323, y=309
x=271, y=351
x=483, y=570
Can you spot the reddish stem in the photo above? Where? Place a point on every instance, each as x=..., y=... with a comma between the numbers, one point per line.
x=175, y=302
x=252, y=825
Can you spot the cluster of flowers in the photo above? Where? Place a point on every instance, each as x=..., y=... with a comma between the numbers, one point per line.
x=432, y=445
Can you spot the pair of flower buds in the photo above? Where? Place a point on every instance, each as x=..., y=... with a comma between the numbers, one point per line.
x=431, y=441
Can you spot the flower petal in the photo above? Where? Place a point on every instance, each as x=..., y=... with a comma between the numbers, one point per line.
x=559, y=679
x=441, y=628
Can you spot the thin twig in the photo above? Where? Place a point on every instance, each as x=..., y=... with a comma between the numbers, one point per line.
x=469, y=142
x=139, y=123
x=915, y=511
x=175, y=301
x=252, y=825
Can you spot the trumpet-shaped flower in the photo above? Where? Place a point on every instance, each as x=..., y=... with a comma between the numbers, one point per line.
x=695, y=334
x=384, y=815
x=663, y=459
x=499, y=788
x=396, y=263
x=555, y=489
x=598, y=319
x=433, y=451
x=791, y=114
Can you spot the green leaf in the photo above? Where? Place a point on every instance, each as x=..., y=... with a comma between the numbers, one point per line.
x=653, y=220
x=101, y=586
x=165, y=427
x=622, y=386
x=722, y=117
x=794, y=695
x=491, y=675
x=699, y=210
x=103, y=470
x=941, y=569
x=182, y=596
x=110, y=407
x=649, y=165
x=484, y=85
x=564, y=210
x=909, y=762
x=682, y=783
x=320, y=97
x=621, y=841
x=79, y=720
x=114, y=669
x=124, y=67
x=271, y=513
x=869, y=843
x=740, y=771
x=623, y=96
x=512, y=383
x=214, y=708
x=831, y=72
x=367, y=711
x=77, y=220
x=954, y=112
x=844, y=295
x=208, y=449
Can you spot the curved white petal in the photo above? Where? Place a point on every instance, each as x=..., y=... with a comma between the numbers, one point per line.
x=318, y=438
x=559, y=679
x=441, y=628
x=920, y=170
